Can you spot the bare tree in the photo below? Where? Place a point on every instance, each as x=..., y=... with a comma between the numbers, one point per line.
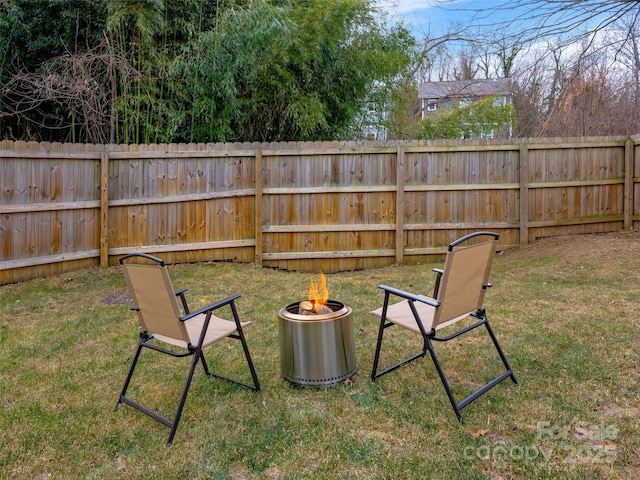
x=507, y=53
x=405, y=108
x=575, y=64
x=629, y=55
x=584, y=108
x=530, y=21
x=80, y=84
x=484, y=58
x=466, y=68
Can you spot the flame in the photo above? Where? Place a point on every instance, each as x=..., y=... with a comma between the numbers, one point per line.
x=318, y=293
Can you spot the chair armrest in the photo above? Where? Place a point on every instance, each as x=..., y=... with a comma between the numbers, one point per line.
x=183, y=300
x=436, y=287
x=208, y=308
x=410, y=296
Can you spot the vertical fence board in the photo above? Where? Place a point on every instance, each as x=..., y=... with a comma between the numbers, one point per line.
x=258, y=223
x=636, y=182
x=628, y=183
x=104, y=209
x=400, y=214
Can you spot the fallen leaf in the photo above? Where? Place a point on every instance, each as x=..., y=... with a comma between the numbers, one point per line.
x=480, y=433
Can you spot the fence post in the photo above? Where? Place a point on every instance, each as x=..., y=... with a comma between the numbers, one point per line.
x=258, y=208
x=628, y=183
x=524, y=194
x=400, y=206
x=104, y=209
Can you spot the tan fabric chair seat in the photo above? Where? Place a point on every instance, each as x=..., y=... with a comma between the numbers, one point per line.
x=400, y=313
x=219, y=328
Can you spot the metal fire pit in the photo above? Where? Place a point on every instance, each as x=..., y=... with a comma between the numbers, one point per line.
x=317, y=349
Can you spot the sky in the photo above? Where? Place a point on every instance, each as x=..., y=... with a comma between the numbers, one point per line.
x=424, y=16
x=432, y=18
x=501, y=20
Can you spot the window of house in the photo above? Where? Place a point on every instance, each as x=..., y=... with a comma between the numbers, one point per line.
x=432, y=105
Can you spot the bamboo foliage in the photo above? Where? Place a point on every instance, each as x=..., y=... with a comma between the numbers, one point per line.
x=313, y=206
x=138, y=72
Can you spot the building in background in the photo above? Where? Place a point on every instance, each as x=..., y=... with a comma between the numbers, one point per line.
x=435, y=96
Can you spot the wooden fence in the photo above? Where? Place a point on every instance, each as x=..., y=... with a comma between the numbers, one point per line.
x=302, y=206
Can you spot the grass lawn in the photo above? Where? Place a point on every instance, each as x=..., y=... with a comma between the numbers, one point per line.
x=566, y=311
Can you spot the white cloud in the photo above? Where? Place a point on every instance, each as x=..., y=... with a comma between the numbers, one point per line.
x=432, y=16
x=403, y=7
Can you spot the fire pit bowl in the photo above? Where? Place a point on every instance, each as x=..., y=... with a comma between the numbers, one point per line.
x=317, y=350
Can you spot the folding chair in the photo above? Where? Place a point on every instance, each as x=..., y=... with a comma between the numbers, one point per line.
x=164, y=328
x=458, y=293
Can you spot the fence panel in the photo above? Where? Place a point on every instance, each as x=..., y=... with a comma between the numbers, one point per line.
x=49, y=210
x=188, y=205
x=329, y=209
x=573, y=189
x=449, y=193
x=327, y=206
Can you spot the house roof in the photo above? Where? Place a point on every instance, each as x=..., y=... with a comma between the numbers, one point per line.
x=465, y=88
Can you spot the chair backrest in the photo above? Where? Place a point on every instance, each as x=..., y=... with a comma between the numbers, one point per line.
x=465, y=278
x=154, y=297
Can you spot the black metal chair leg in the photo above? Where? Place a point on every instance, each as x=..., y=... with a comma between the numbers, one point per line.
x=376, y=358
x=204, y=363
x=129, y=375
x=503, y=357
x=245, y=347
x=183, y=398
x=443, y=379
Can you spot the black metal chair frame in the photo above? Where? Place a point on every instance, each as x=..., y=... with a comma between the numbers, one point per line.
x=430, y=336
x=195, y=351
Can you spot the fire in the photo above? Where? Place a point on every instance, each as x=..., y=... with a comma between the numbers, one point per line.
x=318, y=297
x=318, y=293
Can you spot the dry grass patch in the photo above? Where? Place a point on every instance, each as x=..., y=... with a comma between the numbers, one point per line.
x=565, y=311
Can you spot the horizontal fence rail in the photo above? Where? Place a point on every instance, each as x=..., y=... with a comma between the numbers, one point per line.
x=321, y=206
